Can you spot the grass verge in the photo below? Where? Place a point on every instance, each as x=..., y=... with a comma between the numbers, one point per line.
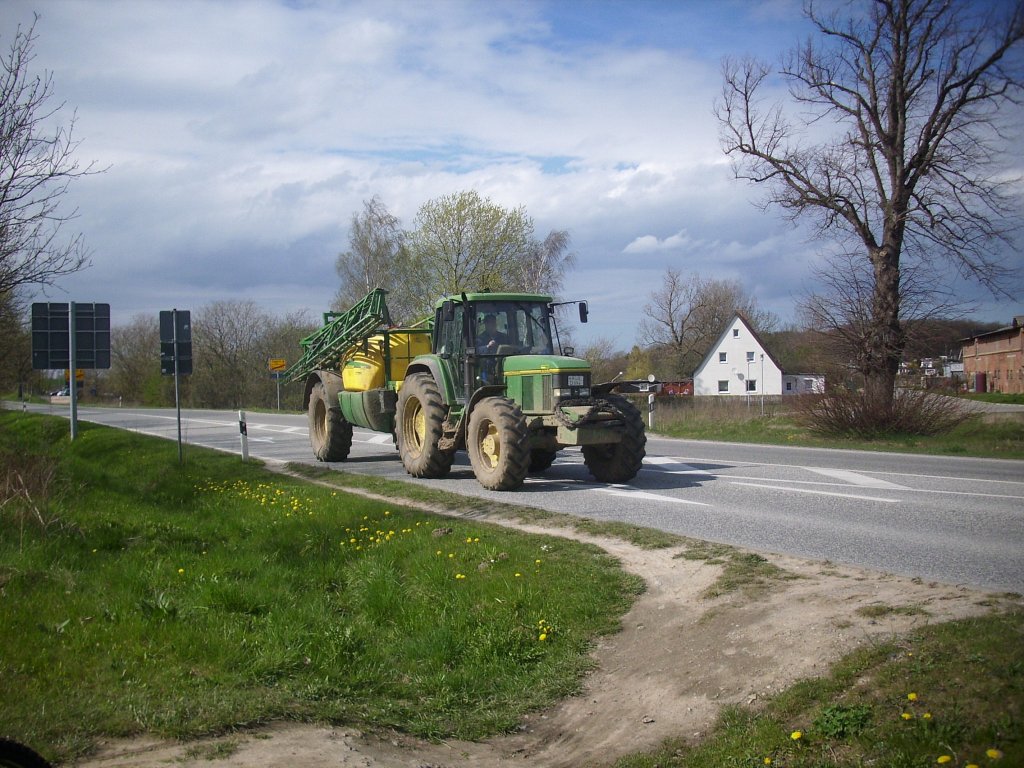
x=140, y=595
x=1002, y=439
x=949, y=694
x=645, y=538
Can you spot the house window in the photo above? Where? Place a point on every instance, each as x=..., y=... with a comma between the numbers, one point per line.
x=721, y=357
x=751, y=385
x=789, y=386
x=735, y=333
x=723, y=385
x=750, y=357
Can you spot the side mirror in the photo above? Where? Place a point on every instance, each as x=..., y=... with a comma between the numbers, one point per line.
x=448, y=310
x=569, y=351
x=583, y=311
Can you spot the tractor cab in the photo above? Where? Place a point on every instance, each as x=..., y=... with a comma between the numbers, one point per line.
x=476, y=334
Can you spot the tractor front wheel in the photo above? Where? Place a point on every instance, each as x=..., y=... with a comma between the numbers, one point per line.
x=419, y=427
x=619, y=462
x=498, y=445
x=329, y=433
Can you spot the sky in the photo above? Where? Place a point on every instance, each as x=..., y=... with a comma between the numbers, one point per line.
x=239, y=137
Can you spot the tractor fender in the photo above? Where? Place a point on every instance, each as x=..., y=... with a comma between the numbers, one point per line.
x=330, y=380
x=432, y=365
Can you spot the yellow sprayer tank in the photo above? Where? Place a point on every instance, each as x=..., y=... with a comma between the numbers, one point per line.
x=363, y=365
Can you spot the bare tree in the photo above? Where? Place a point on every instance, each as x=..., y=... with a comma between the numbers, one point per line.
x=36, y=169
x=135, y=363
x=909, y=94
x=229, y=354
x=376, y=258
x=544, y=265
x=687, y=313
x=15, y=341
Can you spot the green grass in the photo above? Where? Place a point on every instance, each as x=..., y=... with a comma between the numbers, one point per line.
x=139, y=595
x=645, y=538
x=745, y=572
x=953, y=689
x=1002, y=439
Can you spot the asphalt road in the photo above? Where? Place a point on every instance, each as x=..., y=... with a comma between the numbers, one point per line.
x=949, y=519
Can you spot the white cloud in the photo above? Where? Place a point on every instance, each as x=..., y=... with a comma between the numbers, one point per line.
x=241, y=136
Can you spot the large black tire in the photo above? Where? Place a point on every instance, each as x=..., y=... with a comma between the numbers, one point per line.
x=540, y=460
x=419, y=426
x=619, y=462
x=15, y=755
x=498, y=444
x=329, y=433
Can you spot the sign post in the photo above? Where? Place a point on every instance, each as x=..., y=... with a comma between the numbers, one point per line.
x=70, y=336
x=176, y=354
x=277, y=367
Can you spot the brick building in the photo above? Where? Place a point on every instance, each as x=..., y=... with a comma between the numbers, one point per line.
x=994, y=361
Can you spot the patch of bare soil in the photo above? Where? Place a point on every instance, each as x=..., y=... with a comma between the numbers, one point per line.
x=678, y=659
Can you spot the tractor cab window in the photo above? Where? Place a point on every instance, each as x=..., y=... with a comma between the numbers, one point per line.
x=511, y=328
x=449, y=340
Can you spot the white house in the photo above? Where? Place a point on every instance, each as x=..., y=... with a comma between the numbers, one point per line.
x=740, y=364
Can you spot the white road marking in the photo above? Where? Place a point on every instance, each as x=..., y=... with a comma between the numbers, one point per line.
x=858, y=479
x=379, y=439
x=662, y=462
x=820, y=493
x=635, y=493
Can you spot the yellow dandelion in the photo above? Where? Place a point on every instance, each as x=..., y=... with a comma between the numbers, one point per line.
x=907, y=716
x=476, y=540
x=537, y=562
x=941, y=759
x=972, y=765
x=911, y=697
x=927, y=716
x=451, y=554
x=543, y=636
x=518, y=575
x=767, y=761
x=796, y=735
x=994, y=754
x=439, y=552
x=469, y=539
x=181, y=571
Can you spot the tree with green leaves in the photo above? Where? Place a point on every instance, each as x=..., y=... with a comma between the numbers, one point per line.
x=893, y=150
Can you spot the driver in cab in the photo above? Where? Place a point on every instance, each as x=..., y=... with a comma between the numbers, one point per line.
x=489, y=339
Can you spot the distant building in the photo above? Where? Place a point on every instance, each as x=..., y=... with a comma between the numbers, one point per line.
x=994, y=361
x=739, y=363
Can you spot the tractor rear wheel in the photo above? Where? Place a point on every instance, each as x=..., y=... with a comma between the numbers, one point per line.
x=497, y=444
x=329, y=433
x=419, y=426
x=540, y=460
x=619, y=462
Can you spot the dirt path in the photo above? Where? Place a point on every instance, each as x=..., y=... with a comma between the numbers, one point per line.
x=679, y=658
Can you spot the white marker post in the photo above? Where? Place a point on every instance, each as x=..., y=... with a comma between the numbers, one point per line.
x=244, y=435
x=650, y=411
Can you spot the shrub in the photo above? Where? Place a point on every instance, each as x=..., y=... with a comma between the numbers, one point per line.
x=856, y=413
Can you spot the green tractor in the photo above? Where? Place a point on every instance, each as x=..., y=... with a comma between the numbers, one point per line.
x=486, y=374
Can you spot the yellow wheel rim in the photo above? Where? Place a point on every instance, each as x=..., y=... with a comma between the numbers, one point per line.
x=490, y=446
x=419, y=426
